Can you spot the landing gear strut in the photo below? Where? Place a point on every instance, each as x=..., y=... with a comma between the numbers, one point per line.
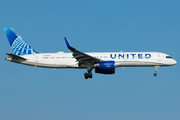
x=156, y=67
x=89, y=74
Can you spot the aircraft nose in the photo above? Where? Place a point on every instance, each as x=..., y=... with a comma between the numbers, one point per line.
x=174, y=62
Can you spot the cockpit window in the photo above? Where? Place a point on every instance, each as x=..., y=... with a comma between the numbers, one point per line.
x=168, y=57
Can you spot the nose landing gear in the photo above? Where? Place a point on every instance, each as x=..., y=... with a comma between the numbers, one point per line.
x=155, y=74
x=156, y=67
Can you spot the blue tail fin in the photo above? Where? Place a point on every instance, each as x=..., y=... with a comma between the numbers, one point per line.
x=18, y=45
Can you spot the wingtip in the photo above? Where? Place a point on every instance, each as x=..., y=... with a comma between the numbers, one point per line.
x=67, y=43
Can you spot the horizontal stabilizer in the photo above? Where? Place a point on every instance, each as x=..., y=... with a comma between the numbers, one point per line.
x=15, y=56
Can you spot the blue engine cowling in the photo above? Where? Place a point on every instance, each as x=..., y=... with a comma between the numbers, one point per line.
x=105, y=67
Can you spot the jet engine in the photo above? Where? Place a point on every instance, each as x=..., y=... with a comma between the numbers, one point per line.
x=105, y=67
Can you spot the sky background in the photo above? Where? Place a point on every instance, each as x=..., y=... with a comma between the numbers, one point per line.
x=29, y=93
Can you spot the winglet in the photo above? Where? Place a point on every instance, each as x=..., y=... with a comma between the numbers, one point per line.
x=67, y=43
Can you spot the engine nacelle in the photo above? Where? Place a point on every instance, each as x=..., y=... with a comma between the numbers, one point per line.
x=105, y=67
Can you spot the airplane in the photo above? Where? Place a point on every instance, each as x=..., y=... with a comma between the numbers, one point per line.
x=102, y=62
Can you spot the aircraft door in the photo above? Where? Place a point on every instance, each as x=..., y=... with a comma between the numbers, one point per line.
x=35, y=58
x=159, y=57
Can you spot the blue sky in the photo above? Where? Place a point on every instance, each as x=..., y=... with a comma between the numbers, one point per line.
x=28, y=93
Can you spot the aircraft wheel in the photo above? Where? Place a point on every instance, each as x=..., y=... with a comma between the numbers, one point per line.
x=155, y=74
x=90, y=75
x=86, y=75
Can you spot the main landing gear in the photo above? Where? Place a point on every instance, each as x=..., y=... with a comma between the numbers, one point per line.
x=156, y=67
x=89, y=74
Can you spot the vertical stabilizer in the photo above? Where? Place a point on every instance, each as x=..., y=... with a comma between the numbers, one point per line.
x=18, y=45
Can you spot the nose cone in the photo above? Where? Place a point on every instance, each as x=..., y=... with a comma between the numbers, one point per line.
x=174, y=62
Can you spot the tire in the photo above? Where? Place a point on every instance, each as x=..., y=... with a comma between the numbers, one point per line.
x=155, y=74
x=86, y=75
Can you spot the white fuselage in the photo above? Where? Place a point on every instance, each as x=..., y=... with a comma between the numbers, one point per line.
x=103, y=63
x=122, y=59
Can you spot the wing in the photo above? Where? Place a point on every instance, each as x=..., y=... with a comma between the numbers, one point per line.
x=81, y=57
